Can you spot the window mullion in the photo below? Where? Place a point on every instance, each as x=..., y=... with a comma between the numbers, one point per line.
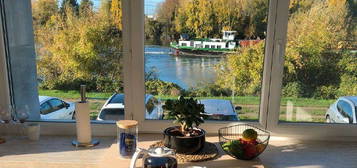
x=133, y=34
x=4, y=90
x=277, y=58
x=268, y=63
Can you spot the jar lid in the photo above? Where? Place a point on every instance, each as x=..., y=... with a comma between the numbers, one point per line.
x=125, y=124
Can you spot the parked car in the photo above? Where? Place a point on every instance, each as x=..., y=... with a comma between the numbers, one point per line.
x=343, y=110
x=113, y=108
x=218, y=109
x=55, y=108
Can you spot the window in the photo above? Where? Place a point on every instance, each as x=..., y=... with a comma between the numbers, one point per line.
x=345, y=109
x=267, y=79
x=66, y=58
x=45, y=108
x=297, y=115
x=117, y=98
x=204, y=74
x=111, y=114
x=318, y=54
x=56, y=104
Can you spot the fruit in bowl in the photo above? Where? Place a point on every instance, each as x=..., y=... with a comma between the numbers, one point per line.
x=245, y=147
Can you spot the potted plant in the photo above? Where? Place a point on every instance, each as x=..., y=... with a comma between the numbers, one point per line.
x=186, y=138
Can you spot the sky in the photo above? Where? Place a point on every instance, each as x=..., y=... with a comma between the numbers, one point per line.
x=150, y=5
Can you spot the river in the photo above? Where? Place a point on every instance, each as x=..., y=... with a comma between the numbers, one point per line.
x=184, y=71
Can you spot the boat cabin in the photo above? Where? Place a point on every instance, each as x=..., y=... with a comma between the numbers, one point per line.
x=229, y=35
x=227, y=42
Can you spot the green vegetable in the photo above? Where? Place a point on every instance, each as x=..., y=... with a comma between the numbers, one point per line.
x=234, y=147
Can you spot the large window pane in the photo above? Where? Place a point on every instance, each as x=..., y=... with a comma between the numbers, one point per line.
x=79, y=43
x=320, y=79
x=211, y=50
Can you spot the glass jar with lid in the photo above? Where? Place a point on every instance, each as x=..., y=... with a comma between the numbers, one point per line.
x=127, y=137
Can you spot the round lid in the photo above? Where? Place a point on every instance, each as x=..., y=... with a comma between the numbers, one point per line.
x=160, y=152
x=125, y=124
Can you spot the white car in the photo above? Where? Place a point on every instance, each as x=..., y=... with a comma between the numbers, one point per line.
x=113, y=108
x=55, y=108
x=343, y=110
x=218, y=109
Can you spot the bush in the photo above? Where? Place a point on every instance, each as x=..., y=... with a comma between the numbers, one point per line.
x=207, y=90
x=109, y=85
x=292, y=89
x=326, y=92
x=348, y=85
x=67, y=84
x=96, y=84
x=159, y=87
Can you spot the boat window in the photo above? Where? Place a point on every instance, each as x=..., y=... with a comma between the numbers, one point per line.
x=218, y=46
x=213, y=46
x=206, y=46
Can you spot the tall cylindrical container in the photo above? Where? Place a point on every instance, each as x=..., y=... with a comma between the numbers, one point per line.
x=127, y=137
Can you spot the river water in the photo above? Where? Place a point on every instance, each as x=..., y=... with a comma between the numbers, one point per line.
x=184, y=71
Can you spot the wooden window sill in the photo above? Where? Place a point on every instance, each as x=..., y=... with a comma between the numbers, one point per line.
x=57, y=152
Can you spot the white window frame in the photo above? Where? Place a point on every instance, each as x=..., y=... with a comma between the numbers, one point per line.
x=299, y=129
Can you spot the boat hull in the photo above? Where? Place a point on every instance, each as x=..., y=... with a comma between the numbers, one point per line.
x=198, y=53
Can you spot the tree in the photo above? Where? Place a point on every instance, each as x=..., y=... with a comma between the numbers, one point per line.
x=86, y=7
x=229, y=14
x=256, y=18
x=153, y=31
x=116, y=12
x=348, y=64
x=242, y=71
x=166, y=15
x=314, y=37
x=42, y=10
x=197, y=18
x=316, y=63
x=81, y=50
x=69, y=5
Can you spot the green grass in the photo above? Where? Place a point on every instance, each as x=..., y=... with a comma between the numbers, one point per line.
x=72, y=94
x=314, y=107
x=252, y=100
x=255, y=100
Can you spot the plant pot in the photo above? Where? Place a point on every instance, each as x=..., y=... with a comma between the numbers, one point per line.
x=182, y=144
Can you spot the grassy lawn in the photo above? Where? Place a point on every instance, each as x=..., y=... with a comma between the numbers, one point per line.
x=253, y=100
x=314, y=108
x=72, y=94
